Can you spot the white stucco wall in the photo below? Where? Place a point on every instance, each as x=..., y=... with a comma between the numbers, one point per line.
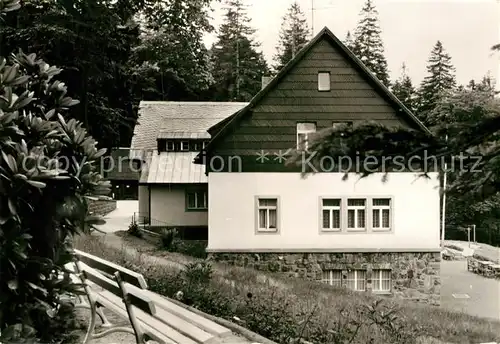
x=232, y=211
x=168, y=204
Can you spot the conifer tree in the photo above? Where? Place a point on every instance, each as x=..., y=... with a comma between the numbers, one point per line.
x=293, y=36
x=403, y=89
x=237, y=65
x=439, y=82
x=486, y=85
x=348, y=42
x=368, y=45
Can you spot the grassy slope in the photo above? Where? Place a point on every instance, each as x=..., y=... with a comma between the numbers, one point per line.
x=304, y=296
x=484, y=252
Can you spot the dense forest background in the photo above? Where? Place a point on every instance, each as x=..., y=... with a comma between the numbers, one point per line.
x=113, y=54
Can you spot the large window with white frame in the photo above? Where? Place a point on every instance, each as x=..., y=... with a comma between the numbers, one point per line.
x=356, y=214
x=331, y=214
x=381, y=214
x=381, y=280
x=267, y=214
x=356, y=280
x=304, y=130
x=332, y=277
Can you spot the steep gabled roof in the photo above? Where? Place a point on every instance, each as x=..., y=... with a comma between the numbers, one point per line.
x=220, y=129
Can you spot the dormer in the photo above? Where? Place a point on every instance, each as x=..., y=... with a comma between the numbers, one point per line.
x=181, y=145
x=181, y=141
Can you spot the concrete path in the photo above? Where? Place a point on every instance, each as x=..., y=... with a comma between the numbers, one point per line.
x=120, y=218
x=467, y=292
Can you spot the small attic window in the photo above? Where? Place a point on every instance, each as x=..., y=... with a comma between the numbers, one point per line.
x=324, y=81
x=184, y=146
x=170, y=146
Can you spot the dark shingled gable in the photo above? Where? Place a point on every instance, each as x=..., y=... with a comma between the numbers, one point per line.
x=269, y=118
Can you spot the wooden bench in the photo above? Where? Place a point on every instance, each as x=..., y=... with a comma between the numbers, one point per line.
x=484, y=268
x=472, y=264
x=151, y=316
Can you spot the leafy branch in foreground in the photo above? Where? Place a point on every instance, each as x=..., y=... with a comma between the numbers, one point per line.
x=470, y=146
x=47, y=176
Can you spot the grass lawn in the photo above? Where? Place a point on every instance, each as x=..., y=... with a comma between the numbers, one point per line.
x=284, y=309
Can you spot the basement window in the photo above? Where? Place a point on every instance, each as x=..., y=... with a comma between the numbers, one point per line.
x=324, y=81
x=332, y=277
x=381, y=280
x=356, y=280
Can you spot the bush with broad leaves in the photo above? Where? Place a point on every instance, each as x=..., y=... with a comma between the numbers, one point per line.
x=47, y=176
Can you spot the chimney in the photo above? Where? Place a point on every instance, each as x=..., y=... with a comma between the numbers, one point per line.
x=266, y=80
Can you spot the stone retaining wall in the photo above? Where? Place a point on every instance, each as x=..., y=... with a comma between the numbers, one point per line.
x=101, y=207
x=414, y=276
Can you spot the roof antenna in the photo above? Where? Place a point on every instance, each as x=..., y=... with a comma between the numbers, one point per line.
x=312, y=18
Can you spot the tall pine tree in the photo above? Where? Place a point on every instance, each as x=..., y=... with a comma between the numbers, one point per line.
x=237, y=65
x=368, y=45
x=404, y=90
x=439, y=82
x=293, y=36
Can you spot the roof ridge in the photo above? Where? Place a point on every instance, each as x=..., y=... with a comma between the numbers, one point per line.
x=154, y=102
x=379, y=87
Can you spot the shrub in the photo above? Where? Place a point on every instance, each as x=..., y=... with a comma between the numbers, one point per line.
x=193, y=248
x=133, y=229
x=198, y=273
x=43, y=201
x=167, y=238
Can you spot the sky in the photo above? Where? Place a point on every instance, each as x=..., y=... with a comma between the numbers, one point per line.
x=410, y=29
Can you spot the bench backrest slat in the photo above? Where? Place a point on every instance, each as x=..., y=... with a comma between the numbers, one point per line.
x=110, y=268
x=140, y=301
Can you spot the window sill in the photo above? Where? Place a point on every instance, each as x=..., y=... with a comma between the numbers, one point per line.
x=196, y=209
x=327, y=230
x=382, y=230
x=267, y=231
x=356, y=230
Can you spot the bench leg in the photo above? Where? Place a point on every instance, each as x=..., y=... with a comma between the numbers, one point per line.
x=105, y=322
x=84, y=304
x=139, y=335
x=91, y=327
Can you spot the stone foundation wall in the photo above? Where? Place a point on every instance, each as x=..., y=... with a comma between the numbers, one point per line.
x=414, y=276
x=101, y=207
